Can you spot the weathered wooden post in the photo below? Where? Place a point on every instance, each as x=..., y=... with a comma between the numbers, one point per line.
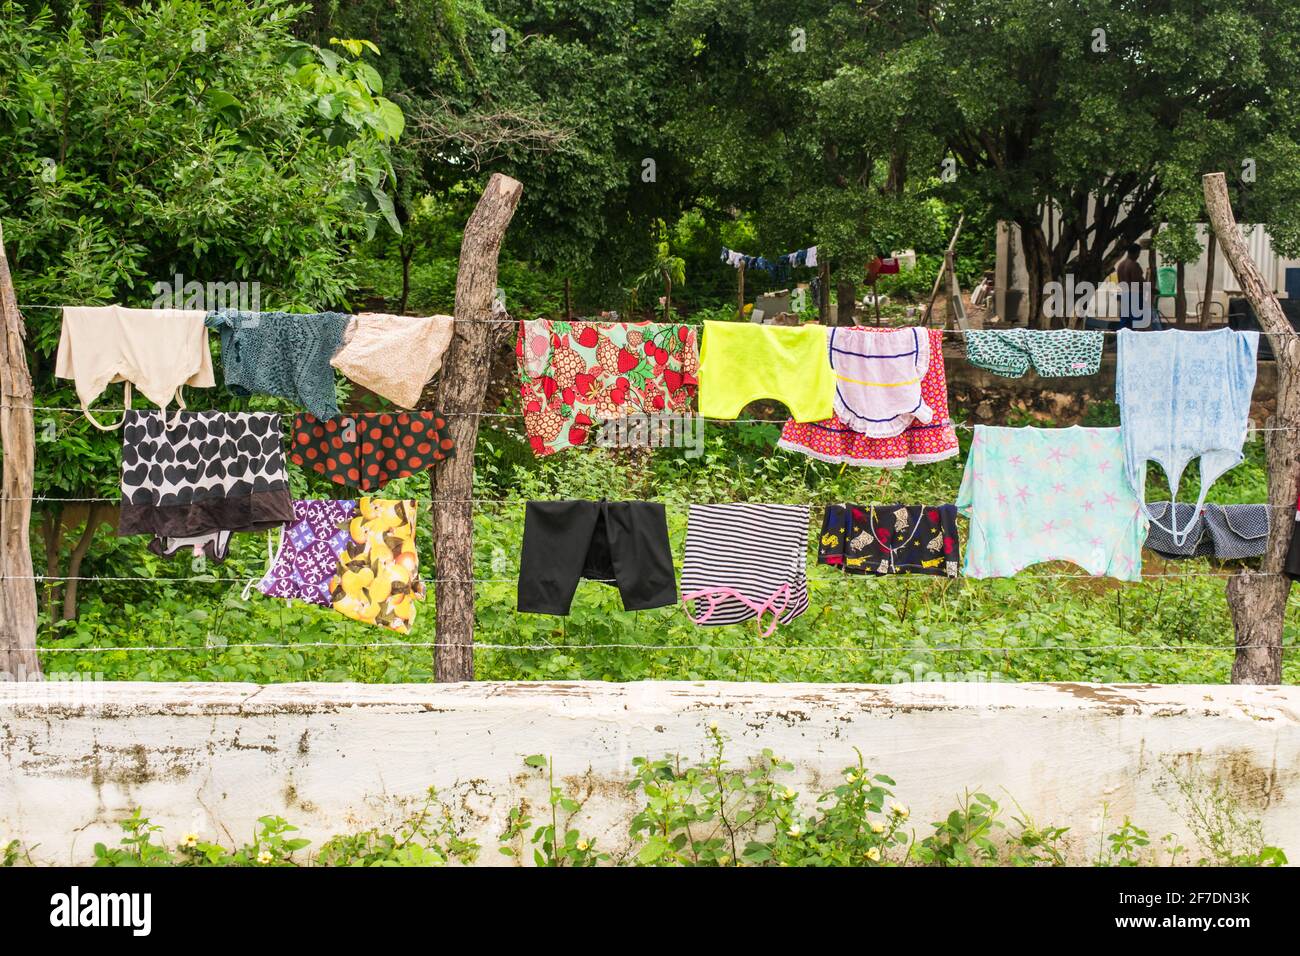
x=461, y=387
x=1257, y=600
x=18, y=660
x=943, y=268
x=1207, y=293
x=740, y=291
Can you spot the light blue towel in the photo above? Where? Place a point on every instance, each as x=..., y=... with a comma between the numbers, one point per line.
x=1183, y=395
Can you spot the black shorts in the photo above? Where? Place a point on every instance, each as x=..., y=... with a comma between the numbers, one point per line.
x=624, y=543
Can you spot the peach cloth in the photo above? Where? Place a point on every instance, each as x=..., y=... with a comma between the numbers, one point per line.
x=394, y=355
x=156, y=350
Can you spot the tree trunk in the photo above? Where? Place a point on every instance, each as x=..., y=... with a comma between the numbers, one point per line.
x=461, y=387
x=1180, y=296
x=52, y=536
x=668, y=296
x=96, y=515
x=18, y=660
x=1258, y=600
x=1038, y=268
x=740, y=291
x=1207, y=294
x=824, y=298
x=568, y=300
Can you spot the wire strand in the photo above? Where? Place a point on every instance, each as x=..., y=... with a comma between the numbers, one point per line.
x=693, y=325
x=741, y=648
x=819, y=582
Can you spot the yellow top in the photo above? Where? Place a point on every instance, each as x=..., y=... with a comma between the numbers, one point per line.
x=741, y=362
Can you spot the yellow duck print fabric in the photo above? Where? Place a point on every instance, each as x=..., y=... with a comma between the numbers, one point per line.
x=379, y=569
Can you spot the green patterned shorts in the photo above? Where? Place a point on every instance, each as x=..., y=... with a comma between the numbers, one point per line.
x=1053, y=352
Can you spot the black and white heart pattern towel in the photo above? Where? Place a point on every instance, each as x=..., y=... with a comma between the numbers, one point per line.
x=202, y=472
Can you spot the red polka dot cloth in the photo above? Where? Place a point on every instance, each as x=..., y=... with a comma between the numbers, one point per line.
x=921, y=443
x=369, y=450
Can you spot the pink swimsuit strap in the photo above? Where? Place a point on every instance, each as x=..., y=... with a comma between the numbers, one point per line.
x=714, y=595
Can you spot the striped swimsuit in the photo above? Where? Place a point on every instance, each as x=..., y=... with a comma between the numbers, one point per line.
x=744, y=561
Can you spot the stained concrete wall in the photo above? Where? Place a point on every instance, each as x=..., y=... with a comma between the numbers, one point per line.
x=332, y=758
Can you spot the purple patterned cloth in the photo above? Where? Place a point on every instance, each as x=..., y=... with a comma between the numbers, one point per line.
x=309, y=551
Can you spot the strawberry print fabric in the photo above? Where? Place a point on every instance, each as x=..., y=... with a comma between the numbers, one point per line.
x=920, y=443
x=369, y=450
x=574, y=375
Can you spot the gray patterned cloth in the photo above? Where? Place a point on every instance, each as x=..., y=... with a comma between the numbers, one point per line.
x=1226, y=532
x=282, y=354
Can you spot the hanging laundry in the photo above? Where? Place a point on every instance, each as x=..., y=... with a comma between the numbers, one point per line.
x=1183, y=395
x=741, y=362
x=158, y=351
x=878, y=379
x=307, y=560
x=370, y=449
x=573, y=376
x=778, y=268
x=214, y=547
x=890, y=539
x=282, y=354
x=1055, y=353
x=378, y=577
x=1050, y=494
x=882, y=266
x=202, y=476
x=1226, y=532
x=832, y=439
x=623, y=543
x=394, y=356
x=744, y=561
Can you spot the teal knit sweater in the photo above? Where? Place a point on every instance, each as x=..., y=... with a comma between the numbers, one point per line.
x=282, y=354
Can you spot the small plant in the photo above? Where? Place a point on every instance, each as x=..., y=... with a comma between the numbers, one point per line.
x=549, y=848
x=137, y=846
x=965, y=838
x=1218, y=822
x=706, y=815
x=1126, y=846
x=429, y=837
x=10, y=853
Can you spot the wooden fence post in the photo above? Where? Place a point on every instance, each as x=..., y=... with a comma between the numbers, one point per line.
x=740, y=291
x=18, y=660
x=1257, y=601
x=461, y=388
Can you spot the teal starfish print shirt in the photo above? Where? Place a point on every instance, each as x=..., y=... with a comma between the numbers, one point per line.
x=1050, y=494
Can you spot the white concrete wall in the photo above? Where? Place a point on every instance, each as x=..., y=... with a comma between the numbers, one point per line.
x=339, y=757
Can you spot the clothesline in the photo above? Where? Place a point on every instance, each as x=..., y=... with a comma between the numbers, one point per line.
x=633, y=419
x=666, y=504
x=739, y=648
x=693, y=325
x=210, y=579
